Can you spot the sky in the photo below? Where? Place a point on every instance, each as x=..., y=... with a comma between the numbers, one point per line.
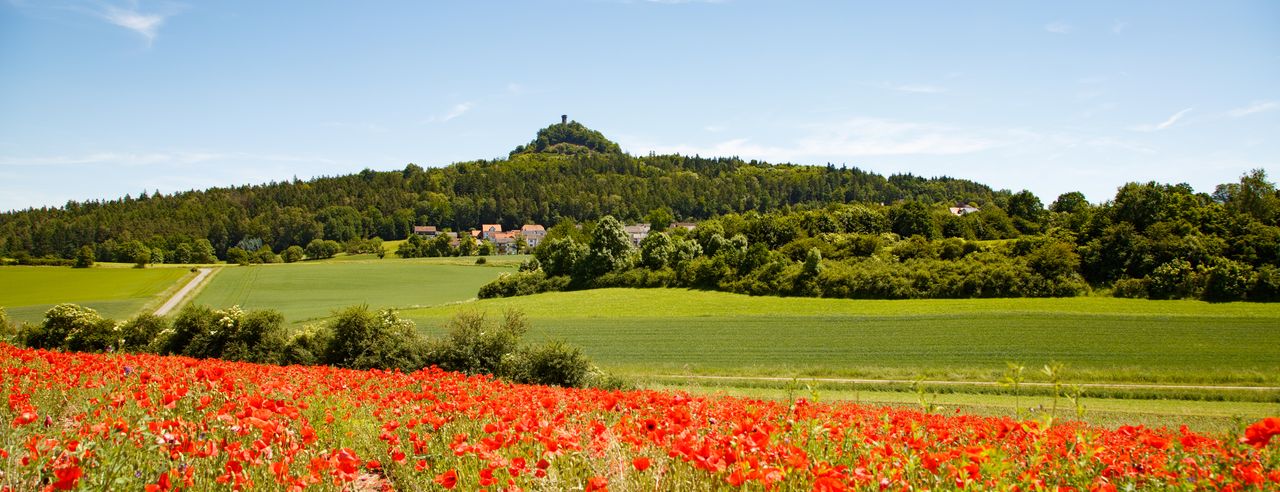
x=102, y=98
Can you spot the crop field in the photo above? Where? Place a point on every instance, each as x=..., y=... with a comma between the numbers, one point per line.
x=310, y=290
x=27, y=292
x=678, y=332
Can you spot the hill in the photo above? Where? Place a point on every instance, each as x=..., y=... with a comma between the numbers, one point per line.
x=567, y=171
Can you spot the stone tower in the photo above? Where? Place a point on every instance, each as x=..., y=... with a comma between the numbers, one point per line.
x=564, y=119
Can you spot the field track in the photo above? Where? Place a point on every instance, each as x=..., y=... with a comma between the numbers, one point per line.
x=181, y=293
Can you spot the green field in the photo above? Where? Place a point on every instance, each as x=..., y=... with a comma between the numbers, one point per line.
x=309, y=290
x=677, y=332
x=27, y=292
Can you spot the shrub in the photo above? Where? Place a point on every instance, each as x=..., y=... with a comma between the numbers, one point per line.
x=1175, y=279
x=71, y=327
x=137, y=334
x=1227, y=280
x=1132, y=288
x=553, y=363
x=292, y=254
x=476, y=345
x=231, y=334
x=7, y=328
x=366, y=340
x=308, y=346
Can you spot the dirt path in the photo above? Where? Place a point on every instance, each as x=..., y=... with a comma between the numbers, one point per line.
x=978, y=383
x=186, y=289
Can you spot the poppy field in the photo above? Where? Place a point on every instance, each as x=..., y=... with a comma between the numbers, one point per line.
x=75, y=421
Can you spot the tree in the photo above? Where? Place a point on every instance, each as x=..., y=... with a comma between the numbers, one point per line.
x=1026, y=211
x=319, y=249
x=182, y=253
x=237, y=256
x=1253, y=196
x=656, y=250
x=608, y=248
x=84, y=258
x=292, y=254
x=659, y=219
x=1069, y=203
x=203, y=252
x=914, y=219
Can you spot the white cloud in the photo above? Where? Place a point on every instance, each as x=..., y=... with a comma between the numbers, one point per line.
x=1162, y=125
x=1255, y=107
x=147, y=25
x=1059, y=27
x=458, y=110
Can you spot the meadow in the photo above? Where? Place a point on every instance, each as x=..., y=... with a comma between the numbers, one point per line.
x=306, y=291
x=115, y=292
x=681, y=332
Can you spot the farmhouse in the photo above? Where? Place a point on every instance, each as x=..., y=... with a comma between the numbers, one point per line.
x=533, y=234
x=636, y=232
x=688, y=226
x=487, y=231
x=425, y=231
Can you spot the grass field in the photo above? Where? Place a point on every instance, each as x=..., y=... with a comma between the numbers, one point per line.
x=118, y=293
x=655, y=331
x=309, y=290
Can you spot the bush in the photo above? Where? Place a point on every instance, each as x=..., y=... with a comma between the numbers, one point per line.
x=7, y=328
x=292, y=254
x=1175, y=279
x=522, y=284
x=231, y=334
x=71, y=327
x=1132, y=288
x=137, y=334
x=308, y=346
x=553, y=363
x=476, y=345
x=1227, y=280
x=366, y=340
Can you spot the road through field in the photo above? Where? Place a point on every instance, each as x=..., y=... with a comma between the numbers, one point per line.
x=186, y=289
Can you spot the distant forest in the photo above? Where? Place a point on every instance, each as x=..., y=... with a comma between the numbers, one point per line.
x=551, y=179
x=764, y=228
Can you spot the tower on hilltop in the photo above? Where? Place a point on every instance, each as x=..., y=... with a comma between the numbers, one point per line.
x=564, y=118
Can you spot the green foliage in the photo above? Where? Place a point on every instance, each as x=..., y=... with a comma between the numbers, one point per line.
x=230, y=334
x=554, y=363
x=71, y=327
x=84, y=258
x=568, y=138
x=914, y=219
x=237, y=256
x=293, y=254
x=474, y=344
x=319, y=249
x=308, y=346
x=363, y=339
x=139, y=333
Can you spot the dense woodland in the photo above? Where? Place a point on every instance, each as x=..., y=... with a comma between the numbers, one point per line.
x=763, y=228
x=531, y=186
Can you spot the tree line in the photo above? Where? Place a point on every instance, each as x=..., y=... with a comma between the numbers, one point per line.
x=568, y=172
x=1152, y=241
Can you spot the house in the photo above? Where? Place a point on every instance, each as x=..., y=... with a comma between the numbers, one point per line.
x=533, y=234
x=488, y=230
x=506, y=241
x=425, y=231
x=962, y=210
x=636, y=232
x=688, y=226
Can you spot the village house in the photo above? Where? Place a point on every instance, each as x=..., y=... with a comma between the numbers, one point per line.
x=636, y=232
x=688, y=226
x=533, y=234
x=506, y=242
x=425, y=231
x=487, y=231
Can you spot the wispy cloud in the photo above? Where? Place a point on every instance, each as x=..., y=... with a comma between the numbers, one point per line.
x=1119, y=26
x=1256, y=107
x=919, y=88
x=153, y=158
x=458, y=110
x=1059, y=27
x=1162, y=125
x=858, y=137
x=147, y=25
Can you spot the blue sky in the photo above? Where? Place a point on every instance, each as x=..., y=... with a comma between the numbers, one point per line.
x=106, y=97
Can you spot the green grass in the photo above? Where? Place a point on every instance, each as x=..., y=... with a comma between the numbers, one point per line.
x=657, y=331
x=308, y=291
x=1203, y=416
x=117, y=293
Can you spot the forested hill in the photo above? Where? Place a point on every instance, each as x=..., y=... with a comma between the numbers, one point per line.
x=568, y=171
